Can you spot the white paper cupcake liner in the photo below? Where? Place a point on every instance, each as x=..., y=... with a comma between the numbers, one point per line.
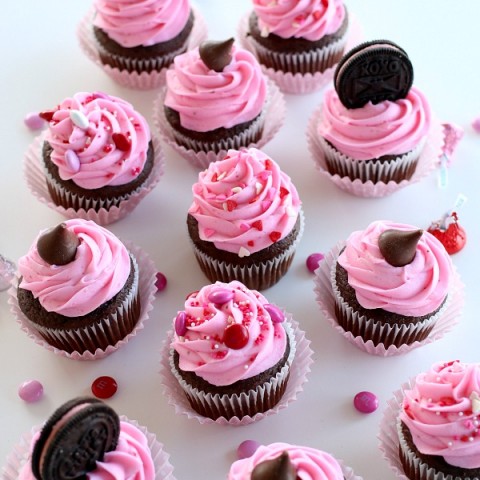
x=257, y=276
x=302, y=83
x=35, y=177
x=274, y=116
x=326, y=300
x=21, y=452
x=147, y=289
x=135, y=80
x=299, y=369
x=427, y=161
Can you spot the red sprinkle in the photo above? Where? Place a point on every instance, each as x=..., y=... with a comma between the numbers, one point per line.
x=268, y=164
x=121, y=141
x=250, y=243
x=104, y=387
x=275, y=236
x=231, y=205
x=258, y=225
x=235, y=336
x=108, y=148
x=283, y=192
x=317, y=14
x=135, y=171
x=47, y=115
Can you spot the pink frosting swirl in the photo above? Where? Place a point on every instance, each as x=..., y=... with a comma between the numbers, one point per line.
x=375, y=130
x=102, y=161
x=133, y=23
x=244, y=202
x=416, y=289
x=207, y=100
x=310, y=463
x=202, y=349
x=309, y=19
x=442, y=411
x=99, y=271
x=131, y=460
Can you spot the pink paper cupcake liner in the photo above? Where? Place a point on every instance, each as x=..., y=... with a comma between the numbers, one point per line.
x=147, y=289
x=20, y=453
x=298, y=376
x=298, y=83
x=35, y=177
x=326, y=300
x=427, y=161
x=274, y=112
x=135, y=80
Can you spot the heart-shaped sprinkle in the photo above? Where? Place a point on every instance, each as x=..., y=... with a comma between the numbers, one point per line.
x=243, y=252
x=121, y=141
x=235, y=336
x=47, y=115
x=275, y=236
x=258, y=225
x=275, y=313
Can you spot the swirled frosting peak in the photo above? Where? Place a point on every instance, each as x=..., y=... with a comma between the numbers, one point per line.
x=244, y=203
x=98, y=140
x=226, y=334
x=387, y=128
x=99, y=271
x=206, y=100
x=309, y=463
x=415, y=289
x=133, y=23
x=442, y=412
x=309, y=19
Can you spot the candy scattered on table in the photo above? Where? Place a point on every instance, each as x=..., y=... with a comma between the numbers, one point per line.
x=313, y=261
x=365, y=402
x=34, y=121
x=104, y=387
x=30, y=391
x=247, y=448
x=161, y=282
x=476, y=124
x=452, y=235
x=7, y=272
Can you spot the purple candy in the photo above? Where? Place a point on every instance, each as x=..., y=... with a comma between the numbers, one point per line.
x=313, y=261
x=33, y=121
x=275, y=313
x=365, y=402
x=476, y=124
x=220, y=296
x=72, y=161
x=161, y=282
x=247, y=449
x=30, y=391
x=181, y=324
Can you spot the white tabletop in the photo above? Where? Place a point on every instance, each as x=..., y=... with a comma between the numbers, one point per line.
x=42, y=64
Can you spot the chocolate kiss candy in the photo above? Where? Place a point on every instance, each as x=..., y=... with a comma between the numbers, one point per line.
x=58, y=246
x=398, y=247
x=279, y=468
x=216, y=55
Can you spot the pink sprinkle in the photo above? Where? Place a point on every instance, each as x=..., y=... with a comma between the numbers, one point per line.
x=33, y=121
x=208, y=232
x=161, y=281
x=271, y=193
x=476, y=124
x=221, y=197
x=244, y=227
x=266, y=205
x=30, y=391
x=264, y=174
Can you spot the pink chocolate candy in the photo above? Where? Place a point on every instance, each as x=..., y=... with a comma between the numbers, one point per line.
x=247, y=448
x=275, y=313
x=365, y=402
x=30, y=391
x=220, y=296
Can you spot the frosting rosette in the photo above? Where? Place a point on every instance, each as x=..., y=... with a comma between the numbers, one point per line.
x=98, y=140
x=387, y=128
x=308, y=19
x=206, y=99
x=309, y=463
x=133, y=23
x=97, y=273
x=228, y=333
x=415, y=289
x=131, y=460
x=244, y=203
x=442, y=411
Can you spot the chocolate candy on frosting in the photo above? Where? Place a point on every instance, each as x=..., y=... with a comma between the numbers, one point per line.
x=398, y=247
x=279, y=468
x=216, y=55
x=58, y=246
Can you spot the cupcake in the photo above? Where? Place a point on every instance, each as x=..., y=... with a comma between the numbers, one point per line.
x=374, y=125
x=79, y=287
x=289, y=462
x=86, y=439
x=245, y=220
x=438, y=423
x=231, y=352
x=391, y=283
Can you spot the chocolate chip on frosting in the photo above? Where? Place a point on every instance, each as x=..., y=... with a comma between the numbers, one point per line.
x=399, y=247
x=58, y=246
x=279, y=468
x=216, y=55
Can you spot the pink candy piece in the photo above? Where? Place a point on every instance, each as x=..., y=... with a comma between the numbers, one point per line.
x=476, y=124
x=161, y=282
x=33, y=121
x=247, y=448
x=275, y=313
x=365, y=402
x=30, y=391
x=181, y=324
x=72, y=161
x=313, y=261
x=220, y=296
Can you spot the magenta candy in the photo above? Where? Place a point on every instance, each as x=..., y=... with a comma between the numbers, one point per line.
x=220, y=296
x=30, y=391
x=72, y=161
x=365, y=402
x=313, y=261
x=34, y=121
x=275, y=313
x=161, y=282
x=236, y=336
x=247, y=448
x=181, y=324
x=476, y=124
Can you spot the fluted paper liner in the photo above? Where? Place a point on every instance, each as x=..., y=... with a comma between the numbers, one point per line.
x=427, y=161
x=326, y=300
x=21, y=452
x=35, y=176
x=299, y=368
x=135, y=80
x=273, y=118
x=147, y=289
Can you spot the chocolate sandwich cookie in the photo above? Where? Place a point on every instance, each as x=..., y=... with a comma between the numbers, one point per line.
x=373, y=72
x=75, y=437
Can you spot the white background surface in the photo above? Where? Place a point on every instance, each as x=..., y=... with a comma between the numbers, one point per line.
x=42, y=64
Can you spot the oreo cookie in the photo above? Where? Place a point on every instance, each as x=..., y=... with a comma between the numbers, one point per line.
x=373, y=72
x=74, y=438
